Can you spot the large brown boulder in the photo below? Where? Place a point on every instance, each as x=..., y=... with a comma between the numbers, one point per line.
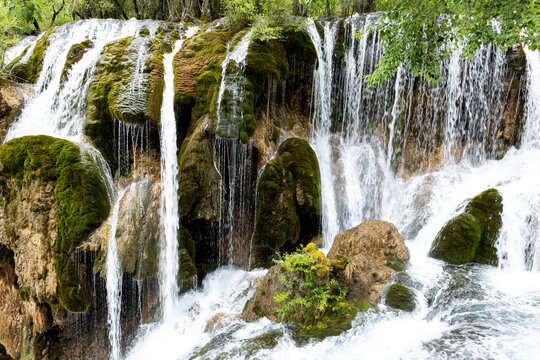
x=370, y=254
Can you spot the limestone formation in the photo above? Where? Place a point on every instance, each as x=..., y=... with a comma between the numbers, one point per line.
x=52, y=197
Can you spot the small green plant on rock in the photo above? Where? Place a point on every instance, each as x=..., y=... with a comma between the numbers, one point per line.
x=313, y=297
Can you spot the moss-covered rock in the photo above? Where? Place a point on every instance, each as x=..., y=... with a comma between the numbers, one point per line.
x=62, y=182
x=186, y=269
x=124, y=90
x=401, y=298
x=197, y=175
x=75, y=54
x=471, y=236
x=289, y=199
x=29, y=70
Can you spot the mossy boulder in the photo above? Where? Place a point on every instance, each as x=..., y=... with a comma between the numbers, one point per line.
x=470, y=237
x=28, y=70
x=198, y=197
x=75, y=54
x=198, y=176
x=401, y=298
x=289, y=200
x=124, y=90
x=54, y=183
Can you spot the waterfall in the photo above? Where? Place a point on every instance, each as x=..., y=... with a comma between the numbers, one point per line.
x=169, y=188
x=405, y=151
x=321, y=119
x=114, y=282
x=59, y=109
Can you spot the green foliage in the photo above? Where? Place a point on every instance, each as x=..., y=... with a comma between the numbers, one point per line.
x=313, y=297
x=423, y=33
x=28, y=11
x=317, y=8
x=9, y=27
x=240, y=12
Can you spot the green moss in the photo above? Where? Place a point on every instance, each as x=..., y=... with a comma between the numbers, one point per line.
x=81, y=200
x=289, y=197
x=24, y=293
x=399, y=297
x=266, y=341
x=49, y=343
x=197, y=71
x=107, y=100
x=74, y=55
x=144, y=32
x=73, y=293
x=184, y=99
x=471, y=236
x=185, y=241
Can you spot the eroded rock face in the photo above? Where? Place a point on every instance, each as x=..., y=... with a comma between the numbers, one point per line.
x=51, y=198
x=75, y=54
x=471, y=236
x=289, y=201
x=119, y=92
x=137, y=231
x=11, y=103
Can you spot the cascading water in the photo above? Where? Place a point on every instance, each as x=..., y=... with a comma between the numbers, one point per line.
x=58, y=108
x=232, y=157
x=114, y=282
x=322, y=108
x=169, y=189
x=462, y=312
